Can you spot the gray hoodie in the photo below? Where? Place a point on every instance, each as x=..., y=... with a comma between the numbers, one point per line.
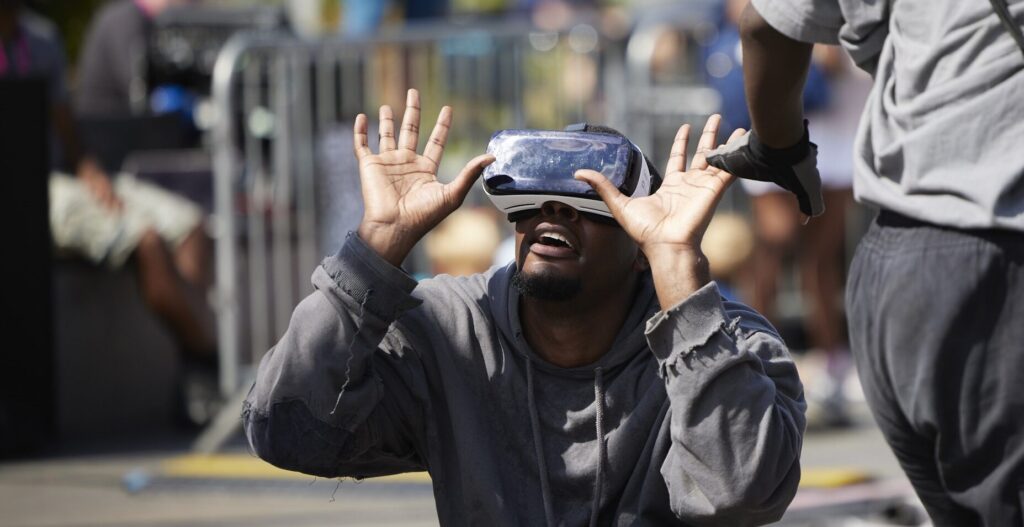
x=698, y=408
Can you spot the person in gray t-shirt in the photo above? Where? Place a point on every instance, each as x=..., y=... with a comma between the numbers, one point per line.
x=933, y=295
x=112, y=65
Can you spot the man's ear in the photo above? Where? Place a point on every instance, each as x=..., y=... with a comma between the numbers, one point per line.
x=641, y=265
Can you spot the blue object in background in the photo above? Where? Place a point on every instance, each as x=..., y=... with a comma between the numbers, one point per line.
x=136, y=480
x=361, y=18
x=173, y=98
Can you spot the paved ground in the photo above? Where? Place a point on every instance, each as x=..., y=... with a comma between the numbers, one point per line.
x=78, y=489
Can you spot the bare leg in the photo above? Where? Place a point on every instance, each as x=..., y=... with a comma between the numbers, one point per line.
x=775, y=225
x=192, y=259
x=821, y=271
x=167, y=294
x=822, y=283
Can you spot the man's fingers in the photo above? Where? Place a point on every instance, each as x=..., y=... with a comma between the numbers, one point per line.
x=409, y=137
x=387, y=129
x=604, y=188
x=435, y=145
x=459, y=187
x=707, y=142
x=360, y=143
x=723, y=175
x=677, y=157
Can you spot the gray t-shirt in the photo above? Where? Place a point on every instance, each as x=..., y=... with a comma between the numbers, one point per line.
x=111, y=67
x=942, y=134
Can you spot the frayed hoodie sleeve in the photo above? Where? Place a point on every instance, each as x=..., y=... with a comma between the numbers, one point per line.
x=737, y=412
x=330, y=400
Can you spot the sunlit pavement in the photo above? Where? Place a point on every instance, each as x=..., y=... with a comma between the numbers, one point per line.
x=167, y=486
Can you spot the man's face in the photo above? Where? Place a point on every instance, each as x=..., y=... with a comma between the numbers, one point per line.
x=560, y=253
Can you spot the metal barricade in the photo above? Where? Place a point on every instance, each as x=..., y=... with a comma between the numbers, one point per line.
x=666, y=82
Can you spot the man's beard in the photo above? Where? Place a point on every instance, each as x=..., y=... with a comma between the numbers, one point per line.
x=546, y=286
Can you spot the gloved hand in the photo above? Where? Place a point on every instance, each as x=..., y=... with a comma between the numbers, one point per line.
x=794, y=168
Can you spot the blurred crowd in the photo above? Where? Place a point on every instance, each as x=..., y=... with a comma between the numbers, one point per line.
x=131, y=178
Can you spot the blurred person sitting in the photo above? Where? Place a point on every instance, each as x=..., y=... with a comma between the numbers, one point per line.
x=109, y=220
x=124, y=217
x=88, y=214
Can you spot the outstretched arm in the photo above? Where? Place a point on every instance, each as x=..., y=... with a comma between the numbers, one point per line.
x=330, y=398
x=402, y=197
x=737, y=410
x=774, y=72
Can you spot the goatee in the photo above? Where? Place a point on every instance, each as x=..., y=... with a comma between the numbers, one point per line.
x=546, y=286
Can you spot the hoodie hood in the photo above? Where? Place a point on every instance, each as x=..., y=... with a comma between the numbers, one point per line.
x=504, y=303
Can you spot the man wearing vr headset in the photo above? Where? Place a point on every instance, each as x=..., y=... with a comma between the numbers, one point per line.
x=599, y=380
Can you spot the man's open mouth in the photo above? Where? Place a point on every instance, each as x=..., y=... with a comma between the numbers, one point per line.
x=554, y=239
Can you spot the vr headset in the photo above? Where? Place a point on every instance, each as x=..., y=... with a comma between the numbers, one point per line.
x=532, y=167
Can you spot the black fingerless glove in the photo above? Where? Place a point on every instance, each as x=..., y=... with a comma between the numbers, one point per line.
x=793, y=168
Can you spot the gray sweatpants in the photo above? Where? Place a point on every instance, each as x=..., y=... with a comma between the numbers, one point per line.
x=937, y=330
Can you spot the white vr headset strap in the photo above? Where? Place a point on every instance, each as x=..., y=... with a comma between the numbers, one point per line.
x=643, y=185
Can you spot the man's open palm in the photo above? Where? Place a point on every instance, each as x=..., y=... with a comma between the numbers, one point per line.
x=676, y=216
x=402, y=197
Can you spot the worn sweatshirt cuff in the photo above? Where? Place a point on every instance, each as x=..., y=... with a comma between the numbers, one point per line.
x=686, y=325
x=378, y=286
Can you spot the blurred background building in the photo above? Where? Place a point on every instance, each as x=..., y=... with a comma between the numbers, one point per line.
x=242, y=111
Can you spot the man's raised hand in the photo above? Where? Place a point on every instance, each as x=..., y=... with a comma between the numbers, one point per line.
x=402, y=198
x=670, y=224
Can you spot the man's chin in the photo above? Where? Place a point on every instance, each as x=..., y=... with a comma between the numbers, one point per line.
x=549, y=286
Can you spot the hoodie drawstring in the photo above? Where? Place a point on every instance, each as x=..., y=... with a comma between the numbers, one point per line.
x=542, y=466
x=545, y=486
x=599, y=425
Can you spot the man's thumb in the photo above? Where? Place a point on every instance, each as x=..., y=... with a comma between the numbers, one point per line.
x=604, y=188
